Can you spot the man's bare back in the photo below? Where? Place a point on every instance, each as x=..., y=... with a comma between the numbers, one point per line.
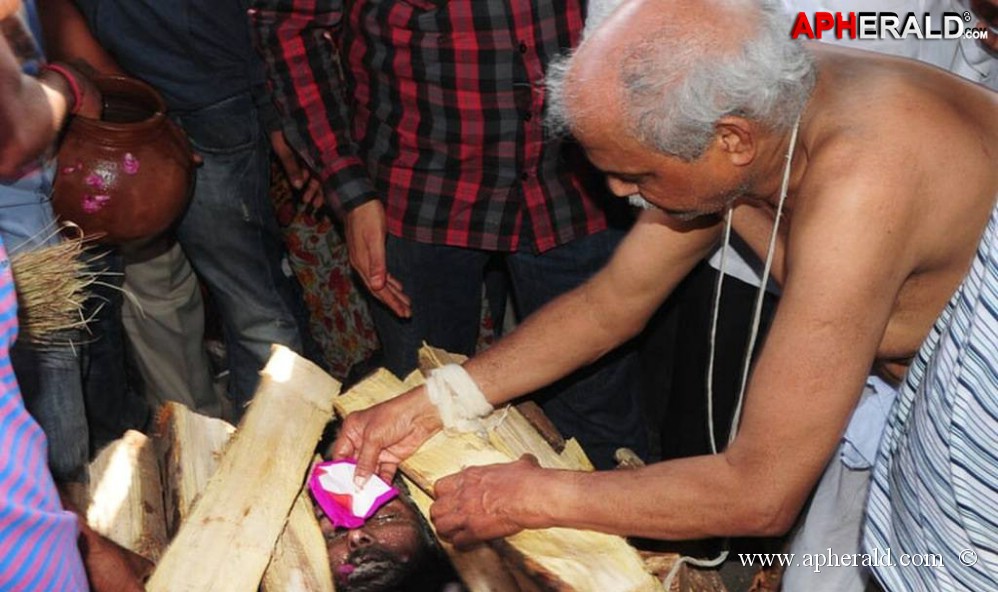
x=932, y=138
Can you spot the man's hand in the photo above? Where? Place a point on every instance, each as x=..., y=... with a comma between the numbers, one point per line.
x=366, y=232
x=9, y=7
x=381, y=437
x=92, y=102
x=111, y=567
x=484, y=503
x=299, y=176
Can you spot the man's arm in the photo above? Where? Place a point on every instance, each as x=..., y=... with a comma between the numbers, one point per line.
x=575, y=329
x=33, y=110
x=847, y=258
x=68, y=38
x=296, y=38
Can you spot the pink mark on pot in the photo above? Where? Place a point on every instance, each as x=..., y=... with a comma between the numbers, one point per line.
x=94, y=180
x=130, y=164
x=94, y=203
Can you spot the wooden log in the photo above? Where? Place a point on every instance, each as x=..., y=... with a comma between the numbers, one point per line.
x=554, y=559
x=190, y=446
x=300, y=562
x=126, y=496
x=227, y=541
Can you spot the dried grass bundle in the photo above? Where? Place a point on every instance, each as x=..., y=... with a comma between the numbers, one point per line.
x=52, y=285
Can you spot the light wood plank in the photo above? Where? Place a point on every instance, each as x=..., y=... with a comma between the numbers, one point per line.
x=226, y=543
x=556, y=559
x=190, y=447
x=126, y=496
x=300, y=562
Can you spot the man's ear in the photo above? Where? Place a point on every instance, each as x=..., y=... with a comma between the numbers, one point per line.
x=736, y=139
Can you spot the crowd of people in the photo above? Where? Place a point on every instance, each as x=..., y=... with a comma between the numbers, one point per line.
x=854, y=193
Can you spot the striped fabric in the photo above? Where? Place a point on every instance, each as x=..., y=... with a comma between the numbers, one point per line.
x=38, y=549
x=935, y=484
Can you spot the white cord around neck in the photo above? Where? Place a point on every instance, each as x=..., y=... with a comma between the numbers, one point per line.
x=757, y=313
x=756, y=319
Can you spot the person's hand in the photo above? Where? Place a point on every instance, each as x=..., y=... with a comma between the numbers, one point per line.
x=299, y=175
x=366, y=232
x=92, y=102
x=484, y=503
x=9, y=7
x=111, y=567
x=381, y=437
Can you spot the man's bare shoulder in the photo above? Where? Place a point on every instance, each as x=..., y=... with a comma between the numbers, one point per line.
x=896, y=101
x=893, y=129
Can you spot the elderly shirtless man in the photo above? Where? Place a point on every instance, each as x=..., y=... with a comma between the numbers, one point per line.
x=889, y=239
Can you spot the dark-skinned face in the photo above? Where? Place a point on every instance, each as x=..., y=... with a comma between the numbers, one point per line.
x=379, y=554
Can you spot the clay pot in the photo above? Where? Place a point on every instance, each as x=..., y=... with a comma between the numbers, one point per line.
x=128, y=175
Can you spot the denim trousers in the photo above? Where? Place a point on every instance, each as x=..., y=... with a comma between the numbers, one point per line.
x=599, y=404
x=230, y=235
x=113, y=405
x=50, y=376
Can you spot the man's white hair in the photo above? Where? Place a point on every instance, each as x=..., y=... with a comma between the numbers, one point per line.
x=676, y=85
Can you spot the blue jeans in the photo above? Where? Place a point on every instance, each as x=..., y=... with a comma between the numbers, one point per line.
x=231, y=237
x=113, y=406
x=599, y=405
x=50, y=376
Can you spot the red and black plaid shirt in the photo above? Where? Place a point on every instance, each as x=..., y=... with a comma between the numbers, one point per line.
x=438, y=112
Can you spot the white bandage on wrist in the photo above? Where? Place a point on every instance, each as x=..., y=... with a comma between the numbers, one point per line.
x=458, y=399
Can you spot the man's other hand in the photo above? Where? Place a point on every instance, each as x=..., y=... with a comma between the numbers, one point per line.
x=9, y=7
x=381, y=437
x=366, y=231
x=111, y=567
x=298, y=174
x=484, y=503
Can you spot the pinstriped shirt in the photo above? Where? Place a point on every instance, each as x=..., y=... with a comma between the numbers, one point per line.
x=37, y=537
x=437, y=110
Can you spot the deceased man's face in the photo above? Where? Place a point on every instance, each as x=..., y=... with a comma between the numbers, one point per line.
x=379, y=554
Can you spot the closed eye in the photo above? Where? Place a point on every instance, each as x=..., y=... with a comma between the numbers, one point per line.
x=628, y=178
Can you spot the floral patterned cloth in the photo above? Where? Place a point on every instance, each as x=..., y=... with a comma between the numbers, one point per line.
x=339, y=319
x=340, y=322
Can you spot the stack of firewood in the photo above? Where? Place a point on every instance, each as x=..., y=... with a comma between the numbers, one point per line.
x=234, y=505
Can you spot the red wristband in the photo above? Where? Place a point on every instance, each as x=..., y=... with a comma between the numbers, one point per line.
x=74, y=86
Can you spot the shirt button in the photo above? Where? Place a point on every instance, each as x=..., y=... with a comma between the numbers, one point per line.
x=528, y=116
x=524, y=176
x=523, y=47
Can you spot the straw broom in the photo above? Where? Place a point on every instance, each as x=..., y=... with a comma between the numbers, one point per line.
x=52, y=285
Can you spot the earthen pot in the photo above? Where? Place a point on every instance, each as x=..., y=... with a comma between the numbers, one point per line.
x=128, y=175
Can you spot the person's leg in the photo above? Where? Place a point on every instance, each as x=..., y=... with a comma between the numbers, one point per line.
x=445, y=286
x=52, y=385
x=232, y=239
x=50, y=375
x=600, y=404
x=164, y=320
x=113, y=406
